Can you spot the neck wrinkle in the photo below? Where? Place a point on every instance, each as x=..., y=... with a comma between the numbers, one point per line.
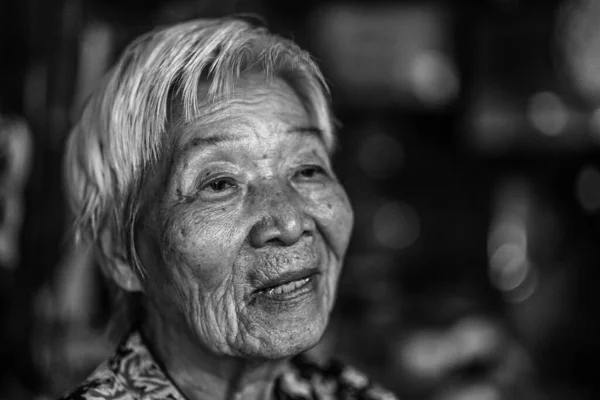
x=199, y=374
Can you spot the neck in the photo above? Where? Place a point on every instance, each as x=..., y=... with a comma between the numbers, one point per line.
x=199, y=373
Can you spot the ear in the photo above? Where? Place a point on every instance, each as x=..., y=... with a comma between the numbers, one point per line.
x=124, y=275
x=116, y=266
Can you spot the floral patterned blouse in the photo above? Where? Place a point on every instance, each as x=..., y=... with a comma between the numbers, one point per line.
x=133, y=374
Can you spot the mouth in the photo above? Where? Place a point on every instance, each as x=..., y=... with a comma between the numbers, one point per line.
x=288, y=285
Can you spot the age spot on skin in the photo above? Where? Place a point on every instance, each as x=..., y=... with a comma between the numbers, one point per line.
x=182, y=198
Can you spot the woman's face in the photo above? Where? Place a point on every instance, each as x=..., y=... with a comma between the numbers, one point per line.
x=246, y=226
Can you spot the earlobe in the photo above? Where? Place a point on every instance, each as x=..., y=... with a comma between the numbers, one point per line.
x=124, y=276
x=116, y=267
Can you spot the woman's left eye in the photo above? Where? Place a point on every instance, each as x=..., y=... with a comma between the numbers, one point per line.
x=310, y=172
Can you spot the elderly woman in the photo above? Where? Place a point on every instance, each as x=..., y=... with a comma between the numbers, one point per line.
x=200, y=169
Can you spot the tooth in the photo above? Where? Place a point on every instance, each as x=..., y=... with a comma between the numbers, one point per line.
x=287, y=287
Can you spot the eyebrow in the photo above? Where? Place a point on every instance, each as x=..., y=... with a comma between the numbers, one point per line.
x=210, y=141
x=308, y=131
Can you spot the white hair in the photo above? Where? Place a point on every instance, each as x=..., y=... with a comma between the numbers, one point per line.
x=122, y=132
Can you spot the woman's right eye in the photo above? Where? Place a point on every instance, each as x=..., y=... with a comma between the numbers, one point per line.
x=219, y=185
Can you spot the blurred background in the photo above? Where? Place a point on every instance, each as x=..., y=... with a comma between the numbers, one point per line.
x=470, y=147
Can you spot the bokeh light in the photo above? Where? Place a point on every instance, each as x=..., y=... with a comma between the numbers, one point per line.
x=587, y=189
x=381, y=155
x=426, y=354
x=396, y=225
x=594, y=124
x=434, y=78
x=525, y=290
x=579, y=33
x=510, y=268
x=548, y=113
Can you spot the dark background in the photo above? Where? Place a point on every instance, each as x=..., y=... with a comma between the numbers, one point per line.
x=469, y=146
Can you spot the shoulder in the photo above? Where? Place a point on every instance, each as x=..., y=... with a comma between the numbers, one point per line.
x=103, y=384
x=309, y=379
x=131, y=373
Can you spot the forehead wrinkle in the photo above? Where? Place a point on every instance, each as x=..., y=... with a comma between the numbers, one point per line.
x=206, y=142
x=308, y=131
x=222, y=106
x=234, y=121
x=236, y=114
x=228, y=135
x=200, y=141
x=210, y=114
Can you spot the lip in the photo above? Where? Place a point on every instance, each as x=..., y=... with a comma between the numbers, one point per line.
x=287, y=277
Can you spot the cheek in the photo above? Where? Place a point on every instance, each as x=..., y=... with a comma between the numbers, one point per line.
x=333, y=213
x=203, y=242
x=167, y=283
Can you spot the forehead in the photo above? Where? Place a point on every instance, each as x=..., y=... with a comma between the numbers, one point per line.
x=252, y=94
x=255, y=105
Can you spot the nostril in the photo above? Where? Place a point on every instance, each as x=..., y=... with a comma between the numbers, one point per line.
x=275, y=242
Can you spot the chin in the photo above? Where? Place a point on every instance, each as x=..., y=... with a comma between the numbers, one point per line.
x=283, y=332
x=287, y=341
x=282, y=327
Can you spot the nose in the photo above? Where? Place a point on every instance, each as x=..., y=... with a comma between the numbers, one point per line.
x=284, y=219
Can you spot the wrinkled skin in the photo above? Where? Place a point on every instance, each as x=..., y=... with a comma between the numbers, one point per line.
x=247, y=195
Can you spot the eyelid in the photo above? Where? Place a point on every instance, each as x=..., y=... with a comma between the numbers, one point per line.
x=202, y=183
x=205, y=192
x=214, y=172
x=319, y=167
x=214, y=169
x=216, y=178
x=321, y=172
x=312, y=155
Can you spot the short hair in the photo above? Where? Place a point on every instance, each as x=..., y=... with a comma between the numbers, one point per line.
x=122, y=132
